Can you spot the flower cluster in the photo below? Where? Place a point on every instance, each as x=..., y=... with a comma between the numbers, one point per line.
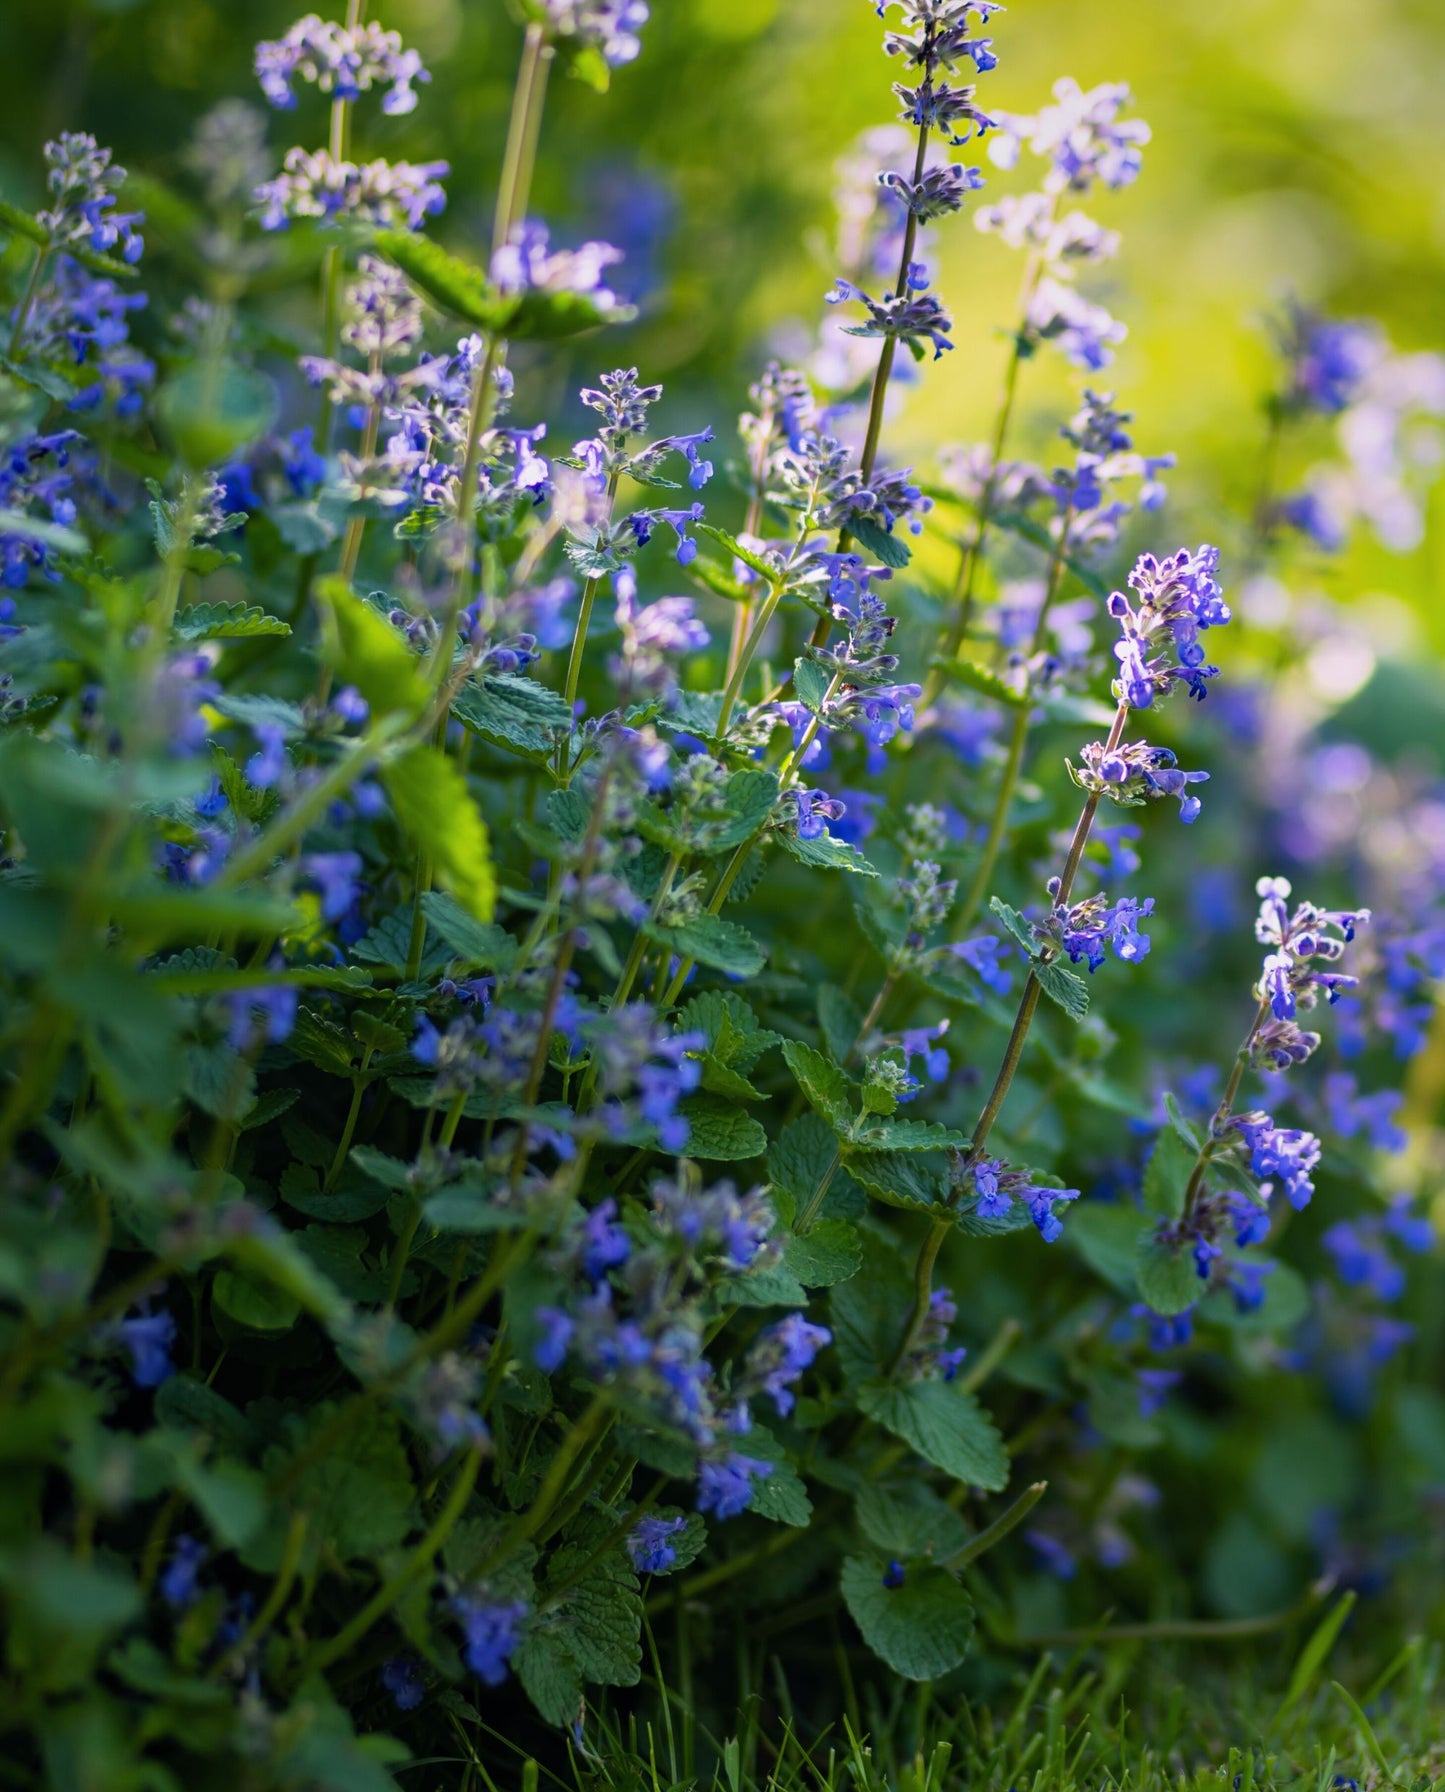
x=1178, y=598
x=1084, y=929
x=998, y=1187
x=340, y=61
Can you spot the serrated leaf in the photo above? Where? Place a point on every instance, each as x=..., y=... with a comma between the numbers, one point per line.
x=984, y=680
x=828, y=1253
x=549, y=1675
x=1167, y=1173
x=907, y=1135
x=891, y=549
x=781, y=1495
x=1166, y=1274
x=718, y=1132
x=898, y=1179
x=840, y=1020
x=1188, y=1133
x=945, y=1425
x=513, y=713
x=435, y=807
x=748, y=557
x=920, y=1629
x=709, y=940
x=867, y=1314
x=810, y=685
x=226, y=622
x=600, y=1618
x=828, y=1090
x=798, y=1159
x=480, y=945
x=1063, y=986
x=252, y=1305
x=358, y=1491
x=366, y=651
x=825, y=852
x=1017, y=924
x=1106, y=1235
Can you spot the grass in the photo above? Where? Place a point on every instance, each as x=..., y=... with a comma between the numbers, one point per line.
x=1129, y=1718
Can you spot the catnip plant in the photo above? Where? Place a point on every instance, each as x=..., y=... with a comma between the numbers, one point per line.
x=499, y=1057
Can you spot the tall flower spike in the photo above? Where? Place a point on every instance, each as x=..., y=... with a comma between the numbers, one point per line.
x=1179, y=598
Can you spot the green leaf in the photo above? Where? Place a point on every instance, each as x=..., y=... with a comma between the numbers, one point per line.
x=470, y=1208
x=780, y=1496
x=480, y=945
x=891, y=549
x=337, y=1251
x=225, y=622
x=1106, y=1235
x=21, y=223
x=358, y=1491
x=868, y=1313
x=549, y=1675
x=718, y=1132
x=600, y=1618
x=453, y=285
x=906, y=1135
x=921, y=1629
x=1018, y=926
x=810, y=685
x=828, y=1253
x=825, y=852
x=749, y=558
x=553, y=316
x=945, y=1425
x=1188, y=1133
x=800, y=1157
x=828, y=1090
x=187, y=1404
x=210, y=412
x=1286, y=1302
x=840, y=1020
x=1166, y=1175
x=251, y=1305
x=711, y=941
x=48, y=534
x=984, y=680
x=516, y=714
x=1166, y=1275
x=897, y=1179
x=366, y=651
x=909, y=1519
x=434, y=806
x=1063, y=986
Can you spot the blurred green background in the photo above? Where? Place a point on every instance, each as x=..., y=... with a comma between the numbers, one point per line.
x=1298, y=148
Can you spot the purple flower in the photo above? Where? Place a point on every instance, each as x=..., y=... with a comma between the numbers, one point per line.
x=1154, y=1386
x=725, y=1487
x=401, y=1677
x=148, y=1337
x=336, y=876
x=344, y=63
x=650, y=1544
x=1178, y=598
x=557, y=1329
x=605, y=1245
x=491, y=1632
x=998, y=1187
x=914, y=317
x=781, y=1354
x=178, y=1586
x=893, y=1576
x=1287, y=1153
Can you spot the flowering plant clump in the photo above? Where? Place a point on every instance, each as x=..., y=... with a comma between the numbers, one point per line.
x=531, y=947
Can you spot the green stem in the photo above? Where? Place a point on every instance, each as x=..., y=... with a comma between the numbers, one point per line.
x=522, y=132
x=745, y=659
x=1221, y=1114
x=32, y=286
x=1018, y=740
x=275, y=1599
x=815, y=1201
x=348, y=1131
x=999, y=1529
x=415, y=1565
